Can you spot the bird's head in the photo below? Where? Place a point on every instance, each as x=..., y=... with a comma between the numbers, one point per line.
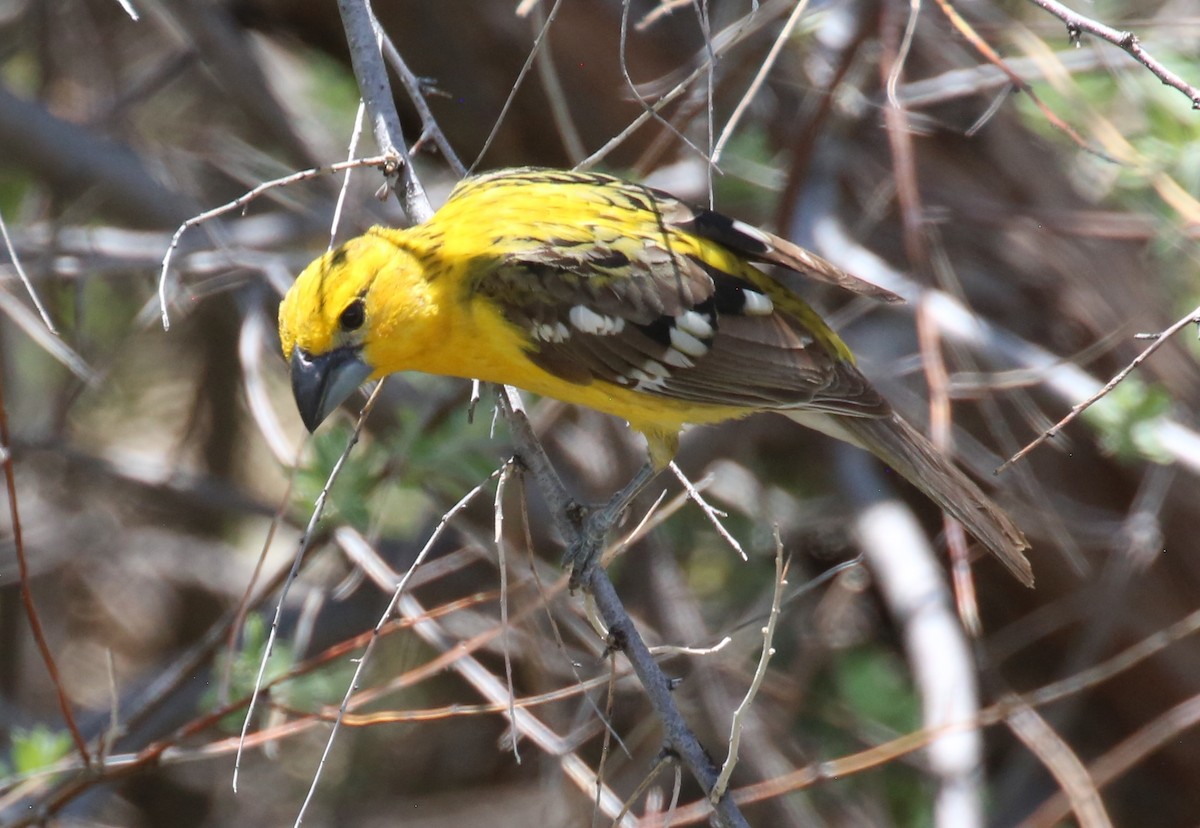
x=337, y=308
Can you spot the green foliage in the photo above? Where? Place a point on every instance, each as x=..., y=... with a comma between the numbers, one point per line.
x=874, y=684
x=305, y=692
x=392, y=484
x=36, y=748
x=333, y=92
x=1124, y=420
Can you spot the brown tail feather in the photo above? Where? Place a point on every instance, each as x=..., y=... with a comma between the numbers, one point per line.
x=911, y=454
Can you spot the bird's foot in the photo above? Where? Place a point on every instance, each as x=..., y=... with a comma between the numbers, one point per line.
x=595, y=524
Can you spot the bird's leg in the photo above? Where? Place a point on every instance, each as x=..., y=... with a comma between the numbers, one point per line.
x=596, y=522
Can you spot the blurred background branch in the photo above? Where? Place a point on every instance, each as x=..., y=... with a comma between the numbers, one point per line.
x=150, y=467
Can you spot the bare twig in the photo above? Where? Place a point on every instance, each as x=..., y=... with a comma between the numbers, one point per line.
x=398, y=592
x=759, y=78
x=301, y=551
x=363, y=36
x=1077, y=24
x=678, y=735
x=760, y=672
x=1192, y=318
x=241, y=202
x=429, y=124
x=714, y=516
x=1063, y=764
x=517, y=83
x=24, y=277
x=556, y=96
x=502, y=563
x=23, y=576
x=1111, y=765
x=51, y=343
x=1018, y=82
x=127, y=5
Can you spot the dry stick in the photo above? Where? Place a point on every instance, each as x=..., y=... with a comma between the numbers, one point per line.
x=429, y=125
x=1066, y=768
x=1121, y=758
x=242, y=201
x=678, y=736
x=129, y=10
x=363, y=37
x=24, y=277
x=1077, y=24
x=660, y=764
x=1017, y=81
x=516, y=85
x=502, y=563
x=714, y=516
x=648, y=110
x=301, y=550
x=355, y=134
x=728, y=38
x=397, y=594
x=784, y=35
x=457, y=655
x=51, y=343
x=937, y=378
x=768, y=650
x=35, y=623
x=556, y=95
x=1159, y=339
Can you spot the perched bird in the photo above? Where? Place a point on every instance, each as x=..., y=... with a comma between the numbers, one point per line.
x=611, y=295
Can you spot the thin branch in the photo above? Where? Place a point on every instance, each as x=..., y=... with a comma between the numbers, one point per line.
x=1066, y=768
x=518, y=82
x=1111, y=765
x=1077, y=24
x=364, y=37
x=678, y=736
x=1017, y=81
x=714, y=516
x=240, y=203
x=1159, y=339
x=24, y=277
x=755, y=85
x=556, y=95
x=23, y=577
x=301, y=551
x=502, y=563
x=760, y=672
x=398, y=592
x=129, y=10
x=416, y=94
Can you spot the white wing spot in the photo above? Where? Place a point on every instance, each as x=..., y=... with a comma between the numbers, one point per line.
x=752, y=231
x=757, y=304
x=588, y=321
x=651, y=369
x=642, y=380
x=683, y=341
x=546, y=332
x=697, y=324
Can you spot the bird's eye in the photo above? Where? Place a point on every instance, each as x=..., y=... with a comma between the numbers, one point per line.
x=353, y=316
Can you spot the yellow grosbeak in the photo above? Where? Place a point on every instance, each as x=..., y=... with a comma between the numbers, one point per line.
x=611, y=295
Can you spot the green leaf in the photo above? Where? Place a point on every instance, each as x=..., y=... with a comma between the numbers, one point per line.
x=38, y=747
x=1125, y=420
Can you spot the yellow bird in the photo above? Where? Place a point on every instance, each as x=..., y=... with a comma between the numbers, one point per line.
x=611, y=295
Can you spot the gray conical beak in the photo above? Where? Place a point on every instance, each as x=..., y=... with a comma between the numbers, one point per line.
x=320, y=384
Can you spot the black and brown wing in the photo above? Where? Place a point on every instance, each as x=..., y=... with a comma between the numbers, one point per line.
x=640, y=314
